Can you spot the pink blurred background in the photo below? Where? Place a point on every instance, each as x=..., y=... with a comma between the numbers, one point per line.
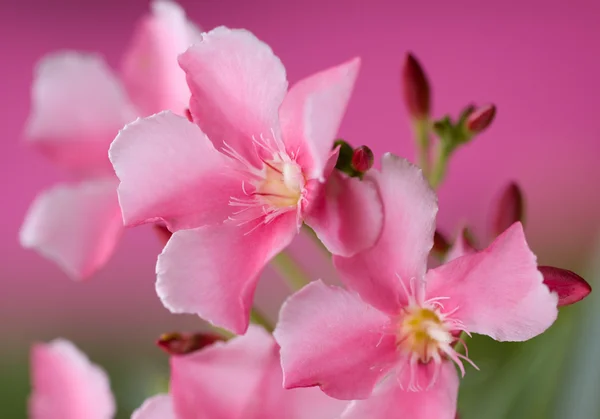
x=537, y=60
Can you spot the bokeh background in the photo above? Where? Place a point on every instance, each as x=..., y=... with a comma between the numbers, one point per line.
x=537, y=60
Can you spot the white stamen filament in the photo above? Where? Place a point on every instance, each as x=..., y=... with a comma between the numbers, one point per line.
x=426, y=333
x=271, y=190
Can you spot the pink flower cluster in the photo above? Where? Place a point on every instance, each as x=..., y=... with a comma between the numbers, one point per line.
x=233, y=163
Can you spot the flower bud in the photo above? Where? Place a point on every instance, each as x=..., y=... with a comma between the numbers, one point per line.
x=509, y=209
x=185, y=343
x=188, y=115
x=362, y=159
x=569, y=286
x=441, y=245
x=417, y=94
x=480, y=119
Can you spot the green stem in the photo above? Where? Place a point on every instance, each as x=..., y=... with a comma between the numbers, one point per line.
x=421, y=130
x=225, y=334
x=291, y=271
x=440, y=166
x=258, y=318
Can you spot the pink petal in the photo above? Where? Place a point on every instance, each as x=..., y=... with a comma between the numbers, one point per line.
x=499, y=291
x=66, y=385
x=273, y=401
x=78, y=106
x=312, y=403
x=461, y=246
x=212, y=271
x=390, y=401
x=237, y=86
x=223, y=380
x=312, y=112
x=169, y=170
x=153, y=78
x=77, y=226
x=410, y=207
x=347, y=216
x=329, y=337
x=569, y=286
x=157, y=407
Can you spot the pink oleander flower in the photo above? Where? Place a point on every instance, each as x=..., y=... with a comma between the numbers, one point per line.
x=390, y=338
x=570, y=287
x=66, y=385
x=238, y=379
x=236, y=184
x=78, y=106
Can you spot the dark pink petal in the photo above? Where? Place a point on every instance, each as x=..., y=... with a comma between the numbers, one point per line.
x=153, y=78
x=347, y=214
x=329, y=337
x=77, y=226
x=312, y=112
x=569, y=286
x=390, y=401
x=409, y=207
x=237, y=86
x=212, y=271
x=66, y=385
x=499, y=291
x=170, y=171
x=78, y=106
x=157, y=407
x=509, y=209
x=223, y=380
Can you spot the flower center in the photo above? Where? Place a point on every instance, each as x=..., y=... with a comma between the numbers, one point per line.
x=423, y=333
x=273, y=189
x=282, y=184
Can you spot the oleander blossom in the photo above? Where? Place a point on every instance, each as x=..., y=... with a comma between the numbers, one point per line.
x=66, y=385
x=238, y=379
x=78, y=106
x=389, y=340
x=235, y=183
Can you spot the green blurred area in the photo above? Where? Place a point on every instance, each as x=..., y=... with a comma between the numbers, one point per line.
x=554, y=376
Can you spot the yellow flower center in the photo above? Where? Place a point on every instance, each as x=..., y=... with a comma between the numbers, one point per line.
x=422, y=332
x=282, y=185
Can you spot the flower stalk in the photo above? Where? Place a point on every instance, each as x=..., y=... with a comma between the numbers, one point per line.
x=290, y=270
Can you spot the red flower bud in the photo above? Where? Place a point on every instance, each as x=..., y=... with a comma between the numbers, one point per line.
x=362, y=159
x=163, y=233
x=440, y=243
x=509, y=209
x=481, y=118
x=569, y=286
x=184, y=343
x=417, y=94
x=188, y=115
